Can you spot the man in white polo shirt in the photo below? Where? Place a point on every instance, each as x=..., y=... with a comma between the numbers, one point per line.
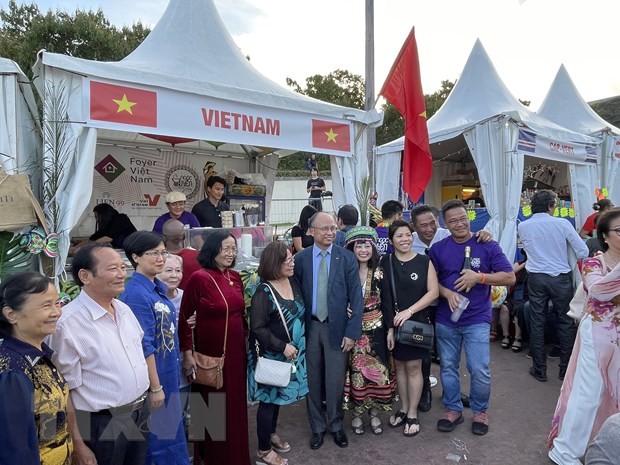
x=97, y=347
x=546, y=240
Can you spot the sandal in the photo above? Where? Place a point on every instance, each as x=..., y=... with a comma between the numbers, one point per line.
x=409, y=422
x=516, y=345
x=269, y=457
x=397, y=419
x=375, y=422
x=279, y=445
x=505, y=342
x=357, y=425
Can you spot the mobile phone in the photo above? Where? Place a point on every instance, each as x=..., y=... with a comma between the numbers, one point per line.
x=191, y=377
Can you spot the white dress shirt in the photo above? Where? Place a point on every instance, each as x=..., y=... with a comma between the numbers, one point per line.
x=545, y=240
x=420, y=247
x=99, y=355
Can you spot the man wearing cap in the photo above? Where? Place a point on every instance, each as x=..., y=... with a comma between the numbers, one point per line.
x=175, y=201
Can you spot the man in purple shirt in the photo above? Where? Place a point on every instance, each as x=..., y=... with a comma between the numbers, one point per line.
x=489, y=267
x=175, y=201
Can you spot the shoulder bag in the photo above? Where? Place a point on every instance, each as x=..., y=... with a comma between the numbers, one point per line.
x=273, y=372
x=210, y=370
x=411, y=333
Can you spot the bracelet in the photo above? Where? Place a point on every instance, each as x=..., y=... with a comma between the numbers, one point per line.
x=410, y=312
x=153, y=391
x=484, y=278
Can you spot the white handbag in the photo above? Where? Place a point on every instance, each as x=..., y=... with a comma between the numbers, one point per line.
x=273, y=372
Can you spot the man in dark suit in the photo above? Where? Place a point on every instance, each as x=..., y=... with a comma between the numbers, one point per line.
x=330, y=283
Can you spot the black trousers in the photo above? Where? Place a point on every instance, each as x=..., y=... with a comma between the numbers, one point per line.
x=116, y=439
x=266, y=423
x=543, y=288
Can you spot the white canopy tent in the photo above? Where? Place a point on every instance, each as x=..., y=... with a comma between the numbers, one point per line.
x=197, y=85
x=564, y=105
x=20, y=132
x=482, y=116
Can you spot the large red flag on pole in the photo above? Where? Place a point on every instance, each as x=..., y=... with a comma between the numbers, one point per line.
x=403, y=89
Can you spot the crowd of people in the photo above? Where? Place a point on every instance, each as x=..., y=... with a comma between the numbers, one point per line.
x=110, y=373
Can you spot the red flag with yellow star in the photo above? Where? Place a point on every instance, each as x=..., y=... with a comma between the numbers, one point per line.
x=403, y=89
x=332, y=136
x=121, y=104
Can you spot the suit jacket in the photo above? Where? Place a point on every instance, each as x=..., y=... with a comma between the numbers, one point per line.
x=343, y=291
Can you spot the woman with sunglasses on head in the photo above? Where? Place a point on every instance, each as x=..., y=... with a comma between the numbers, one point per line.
x=591, y=388
x=215, y=294
x=33, y=393
x=277, y=337
x=146, y=295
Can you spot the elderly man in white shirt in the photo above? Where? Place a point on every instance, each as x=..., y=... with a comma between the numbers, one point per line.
x=546, y=240
x=97, y=348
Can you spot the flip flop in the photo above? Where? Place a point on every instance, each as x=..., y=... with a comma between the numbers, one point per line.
x=409, y=422
x=397, y=419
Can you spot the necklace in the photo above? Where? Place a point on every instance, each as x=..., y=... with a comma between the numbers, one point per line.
x=227, y=277
x=610, y=257
x=406, y=257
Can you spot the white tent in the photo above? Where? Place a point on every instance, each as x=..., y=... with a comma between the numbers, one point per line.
x=20, y=132
x=202, y=87
x=482, y=116
x=564, y=105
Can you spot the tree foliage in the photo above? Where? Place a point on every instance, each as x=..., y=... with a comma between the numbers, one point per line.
x=339, y=87
x=608, y=109
x=24, y=30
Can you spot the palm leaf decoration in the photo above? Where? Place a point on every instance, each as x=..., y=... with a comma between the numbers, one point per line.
x=13, y=256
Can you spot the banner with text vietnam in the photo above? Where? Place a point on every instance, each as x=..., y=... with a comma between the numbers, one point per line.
x=153, y=110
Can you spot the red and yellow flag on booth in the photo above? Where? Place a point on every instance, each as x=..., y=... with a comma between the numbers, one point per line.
x=332, y=136
x=122, y=104
x=403, y=89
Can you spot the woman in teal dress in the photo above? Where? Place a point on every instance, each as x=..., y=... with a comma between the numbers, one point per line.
x=270, y=338
x=146, y=296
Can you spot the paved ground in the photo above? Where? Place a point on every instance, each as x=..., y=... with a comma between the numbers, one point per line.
x=520, y=415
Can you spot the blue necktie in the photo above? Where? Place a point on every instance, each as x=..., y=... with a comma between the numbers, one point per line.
x=321, y=288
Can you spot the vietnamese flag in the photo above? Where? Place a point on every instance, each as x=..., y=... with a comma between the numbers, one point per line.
x=331, y=136
x=121, y=104
x=403, y=89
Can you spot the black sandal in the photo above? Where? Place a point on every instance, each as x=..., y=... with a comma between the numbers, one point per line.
x=505, y=342
x=375, y=422
x=357, y=428
x=516, y=345
x=409, y=422
x=397, y=419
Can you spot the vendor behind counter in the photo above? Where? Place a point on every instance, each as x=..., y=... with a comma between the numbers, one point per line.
x=112, y=228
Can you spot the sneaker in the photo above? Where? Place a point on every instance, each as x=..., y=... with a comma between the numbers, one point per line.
x=279, y=445
x=269, y=457
x=528, y=354
x=555, y=352
x=542, y=377
x=480, y=426
x=449, y=420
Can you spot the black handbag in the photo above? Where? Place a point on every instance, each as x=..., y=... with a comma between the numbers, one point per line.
x=411, y=333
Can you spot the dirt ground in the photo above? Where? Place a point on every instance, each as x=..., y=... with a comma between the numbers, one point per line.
x=519, y=418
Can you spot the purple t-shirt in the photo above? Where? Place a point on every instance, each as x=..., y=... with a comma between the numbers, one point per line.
x=384, y=246
x=185, y=218
x=447, y=257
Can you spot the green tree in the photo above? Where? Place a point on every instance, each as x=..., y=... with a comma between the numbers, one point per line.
x=339, y=87
x=24, y=30
x=608, y=109
x=435, y=100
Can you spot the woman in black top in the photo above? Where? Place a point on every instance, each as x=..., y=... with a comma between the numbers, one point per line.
x=416, y=288
x=315, y=187
x=112, y=227
x=301, y=239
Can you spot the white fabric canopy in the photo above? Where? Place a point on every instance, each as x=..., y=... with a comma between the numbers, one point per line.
x=481, y=115
x=20, y=132
x=189, y=52
x=564, y=105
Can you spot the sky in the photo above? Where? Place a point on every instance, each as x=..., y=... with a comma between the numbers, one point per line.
x=527, y=40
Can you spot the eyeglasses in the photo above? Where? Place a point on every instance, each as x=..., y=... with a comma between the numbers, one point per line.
x=289, y=261
x=454, y=222
x=616, y=230
x=156, y=253
x=227, y=250
x=325, y=229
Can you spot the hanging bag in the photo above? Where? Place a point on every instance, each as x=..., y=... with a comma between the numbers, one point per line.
x=273, y=372
x=210, y=370
x=411, y=333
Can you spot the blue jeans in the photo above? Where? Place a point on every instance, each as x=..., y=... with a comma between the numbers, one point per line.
x=475, y=340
